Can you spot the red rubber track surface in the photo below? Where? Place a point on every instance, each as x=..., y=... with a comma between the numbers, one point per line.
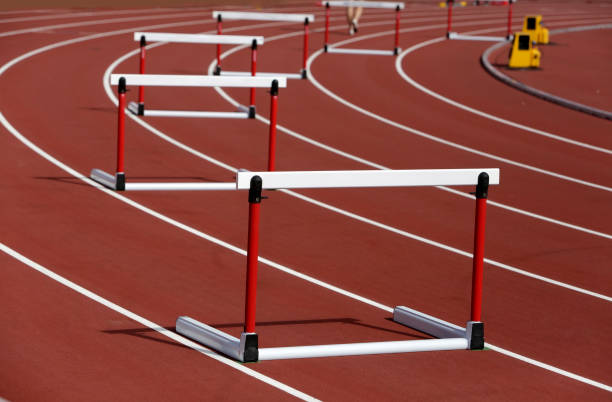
x=59, y=345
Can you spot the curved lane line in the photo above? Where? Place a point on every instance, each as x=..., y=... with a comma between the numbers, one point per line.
x=378, y=166
x=128, y=201
x=146, y=323
x=407, y=78
x=166, y=137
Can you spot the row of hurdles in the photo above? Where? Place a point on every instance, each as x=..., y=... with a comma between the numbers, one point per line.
x=445, y=335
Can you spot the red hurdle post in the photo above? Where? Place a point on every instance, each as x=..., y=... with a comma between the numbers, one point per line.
x=252, y=254
x=253, y=72
x=509, y=19
x=305, y=58
x=326, y=26
x=272, y=138
x=479, y=236
x=397, y=29
x=143, y=44
x=219, y=27
x=449, y=18
x=120, y=173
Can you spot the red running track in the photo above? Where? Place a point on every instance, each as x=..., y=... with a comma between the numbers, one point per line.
x=160, y=271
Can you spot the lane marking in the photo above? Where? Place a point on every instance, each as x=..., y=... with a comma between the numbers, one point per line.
x=156, y=327
x=74, y=173
x=376, y=165
x=166, y=137
x=407, y=78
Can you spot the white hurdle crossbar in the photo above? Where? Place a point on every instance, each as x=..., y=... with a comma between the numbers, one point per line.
x=306, y=19
x=397, y=6
x=118, y=181
x=146, y=37
x=447, y=336
x=456, y=36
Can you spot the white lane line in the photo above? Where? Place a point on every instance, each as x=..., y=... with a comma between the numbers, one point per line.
x=373, y=164
x=407, y=78
x=166, y=137
x=88, y=14
x=146, y=323
x=432, y=137
x=179, y=225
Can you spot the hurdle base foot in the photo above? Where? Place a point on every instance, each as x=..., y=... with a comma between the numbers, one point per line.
x=304, y=74
x=475, y=335
x=137, y=109
x=217, y=70
x=249, y=347
x=251, y=112
x=116, y=182
x=325, y=48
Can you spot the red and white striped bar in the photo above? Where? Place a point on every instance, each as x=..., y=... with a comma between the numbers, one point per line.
x=448, y=336
x=365, y=4
x=456, y=36
x=366, y=178
x=306, y=19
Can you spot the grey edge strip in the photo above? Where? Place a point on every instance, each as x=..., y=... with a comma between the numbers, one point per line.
x=484, y=59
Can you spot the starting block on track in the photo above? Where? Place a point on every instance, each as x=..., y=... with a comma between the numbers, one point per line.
x=523, y=54
x=118, y=181
x=145, y=37
x=533, y=25
x=456, y=36
x=365, y=4
x=447, y=335
x=306, y=19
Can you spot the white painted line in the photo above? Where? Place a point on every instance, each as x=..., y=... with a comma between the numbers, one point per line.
x=96, y=14
x=364, y=4
x=238, y=15
x=195, y=114
x=402, y=73
x=313, y=81
x=187, y=186
x=259, y=74
x=169, y=80
x=198, y=38
x=366, y=178
x=366, y=348
x=149, y=324
x=367, y=162
x=375, y=52
x=202, y=235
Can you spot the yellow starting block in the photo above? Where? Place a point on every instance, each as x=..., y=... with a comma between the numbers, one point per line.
x=533, y=25
x=523, y=54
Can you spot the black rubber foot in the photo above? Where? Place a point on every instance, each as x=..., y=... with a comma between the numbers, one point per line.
x=476, y=335
x=217, y=70
x=251, y=112
x=325, y=48
x=251, y=348
x=304, y=74
x=120, y=181
x=141, y=109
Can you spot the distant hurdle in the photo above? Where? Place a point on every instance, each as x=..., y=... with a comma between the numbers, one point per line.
x=118, y=180
x=366, y=4
x=145, y=37
x=306, y=19
x=457, y=36
x=447, y=336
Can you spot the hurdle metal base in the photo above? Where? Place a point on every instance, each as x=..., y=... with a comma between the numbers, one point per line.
x=449, y=337
x=258, y=74
x=376, y=52
x=456, y=36
x=139, y=110
x=119, y=183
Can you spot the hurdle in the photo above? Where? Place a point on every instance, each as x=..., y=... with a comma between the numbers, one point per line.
x=118, y=180
x=366, y=4
x=456, y=36
x=145, y=37
x=220, y=16
x=447, y=336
